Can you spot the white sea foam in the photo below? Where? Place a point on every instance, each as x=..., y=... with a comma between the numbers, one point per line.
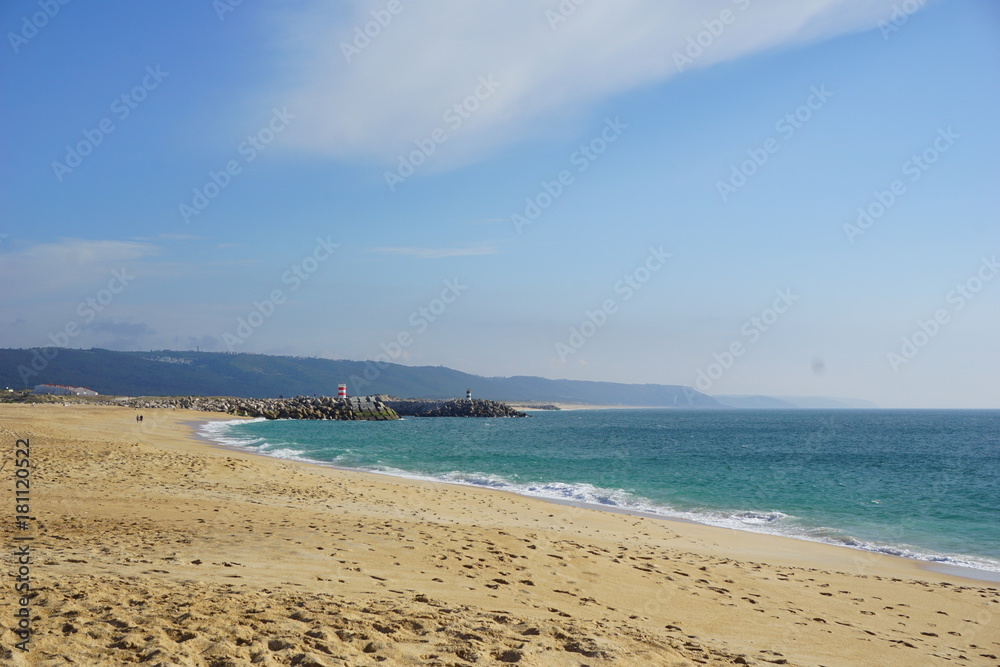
x=768, y=522
x=288, y=453
x=221, y=432
x=771, y=522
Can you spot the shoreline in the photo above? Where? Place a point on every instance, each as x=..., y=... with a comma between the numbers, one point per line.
x=153, y=547
x=966, y=572
x=569, y=407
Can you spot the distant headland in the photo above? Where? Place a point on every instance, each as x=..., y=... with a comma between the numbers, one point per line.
x=195, y=373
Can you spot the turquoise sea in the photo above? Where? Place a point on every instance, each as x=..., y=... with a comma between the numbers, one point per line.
x=920, y=484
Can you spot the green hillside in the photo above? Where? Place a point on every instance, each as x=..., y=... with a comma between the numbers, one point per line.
x=171, y=373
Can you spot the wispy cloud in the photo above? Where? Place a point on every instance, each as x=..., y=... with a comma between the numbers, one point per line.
x=491, y=221
x=397, y=88
x=122, y=328
x=68, y=265
x=122, y=335
x=438, y=253
x=72, y=251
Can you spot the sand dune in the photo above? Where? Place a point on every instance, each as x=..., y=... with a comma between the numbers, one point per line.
x=155, y=548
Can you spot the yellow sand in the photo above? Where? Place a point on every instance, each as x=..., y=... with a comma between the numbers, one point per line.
x=158, y=549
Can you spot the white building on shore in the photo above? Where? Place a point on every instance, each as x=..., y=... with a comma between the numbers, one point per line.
x=63, y=390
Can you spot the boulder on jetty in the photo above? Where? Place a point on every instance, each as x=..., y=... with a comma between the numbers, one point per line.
x=415, y=407
x=357, y=408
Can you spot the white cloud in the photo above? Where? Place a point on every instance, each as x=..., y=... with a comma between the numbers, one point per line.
x=69, y=252
x=68, y=265
x=180, y=237
x=431, y=56
x=438, y=253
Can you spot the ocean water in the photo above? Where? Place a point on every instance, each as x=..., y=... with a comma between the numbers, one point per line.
x=918, y=484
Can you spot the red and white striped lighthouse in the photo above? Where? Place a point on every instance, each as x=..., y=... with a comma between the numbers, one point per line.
x=341, y=391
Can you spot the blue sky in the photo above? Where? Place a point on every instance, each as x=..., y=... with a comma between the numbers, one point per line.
x=706, y=230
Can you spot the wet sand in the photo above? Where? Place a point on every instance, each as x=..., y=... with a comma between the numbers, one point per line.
x=153, y=547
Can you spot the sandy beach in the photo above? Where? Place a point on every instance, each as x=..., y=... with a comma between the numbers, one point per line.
x=151, y=546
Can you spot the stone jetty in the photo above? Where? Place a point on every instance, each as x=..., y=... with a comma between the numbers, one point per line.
x=415, y=407
x=357, y=408
x=354, y=408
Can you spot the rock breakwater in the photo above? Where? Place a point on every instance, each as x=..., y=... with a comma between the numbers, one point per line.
x=365, y=408
x=358, y=408
x=411, y=407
